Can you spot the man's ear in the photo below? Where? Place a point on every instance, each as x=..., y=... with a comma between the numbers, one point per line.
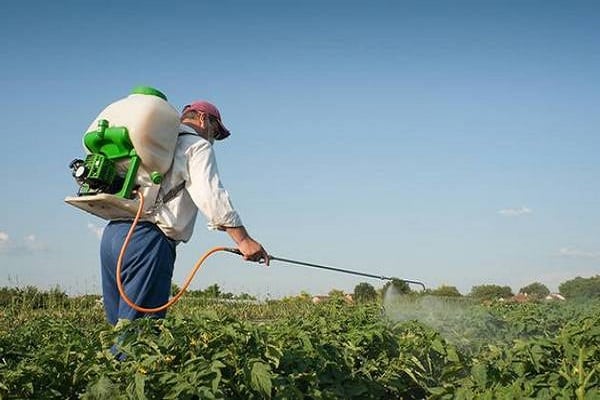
x=203, y=117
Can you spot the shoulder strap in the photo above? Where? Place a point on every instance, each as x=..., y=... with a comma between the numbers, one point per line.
x=171, y=194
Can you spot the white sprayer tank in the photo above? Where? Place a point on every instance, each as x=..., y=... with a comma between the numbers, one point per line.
x=153, y=126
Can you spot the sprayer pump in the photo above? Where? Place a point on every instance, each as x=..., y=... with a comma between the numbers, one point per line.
x=98, y=173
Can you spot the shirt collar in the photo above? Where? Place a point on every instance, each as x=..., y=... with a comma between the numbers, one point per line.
x=183, y=128
x=187, y=129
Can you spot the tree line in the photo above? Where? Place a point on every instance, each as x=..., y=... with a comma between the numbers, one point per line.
x=577, y=288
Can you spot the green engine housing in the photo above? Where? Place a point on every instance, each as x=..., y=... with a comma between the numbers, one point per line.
x=101, y=172
x=98, y=173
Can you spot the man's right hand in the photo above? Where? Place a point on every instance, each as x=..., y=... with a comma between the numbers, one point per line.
x=250, y=248
x=253, y=251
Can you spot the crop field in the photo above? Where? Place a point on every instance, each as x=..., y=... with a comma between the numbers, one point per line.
x=413, y=348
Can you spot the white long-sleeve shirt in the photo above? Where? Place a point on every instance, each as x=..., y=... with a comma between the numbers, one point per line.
x=195, y=164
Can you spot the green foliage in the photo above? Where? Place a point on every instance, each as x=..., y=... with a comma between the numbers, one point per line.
x=304, y=295
x=174, y=289
x=491, y=292
x=214, y=292
x=32, y=297
x=581, y=288
x=446, y=291
x=535, y=290
x=364, y=292
x=8, y=296
x=211, y=350
x=303, y=298
x=244, y=296
x=336, y=293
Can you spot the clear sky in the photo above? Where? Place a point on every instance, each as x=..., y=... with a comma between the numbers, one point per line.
x=452, y=142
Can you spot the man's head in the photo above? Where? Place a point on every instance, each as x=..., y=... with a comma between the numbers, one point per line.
x=206, y=119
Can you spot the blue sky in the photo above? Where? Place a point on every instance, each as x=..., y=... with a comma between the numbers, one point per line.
x=451, y=142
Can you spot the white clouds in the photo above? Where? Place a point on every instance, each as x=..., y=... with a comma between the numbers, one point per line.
x=6, y=243
x=515, y=212
x=28, y=245
x=32, y=244
x=577, y=253
x=95, y=229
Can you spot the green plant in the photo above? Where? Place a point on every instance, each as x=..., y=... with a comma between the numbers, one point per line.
x=206, y=349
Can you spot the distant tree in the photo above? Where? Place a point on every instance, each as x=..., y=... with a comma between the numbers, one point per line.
x=536, y=290
x=446, y=291
x=490, y=292
x=245, y=296
x=581, y=287
x=9, y=296
x=304, y=296
x=213, y=291
x=194, y=293
x=399, y=285
x=336, y=294
x=174, y=289
x=56, y=296
x=364, y=292
x=290, y=300
x=32, y=297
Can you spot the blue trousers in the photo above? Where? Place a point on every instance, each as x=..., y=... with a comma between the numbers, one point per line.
x=146, y=271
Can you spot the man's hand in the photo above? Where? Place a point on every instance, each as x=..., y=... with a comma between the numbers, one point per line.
x=253, y=251
x=250, y=248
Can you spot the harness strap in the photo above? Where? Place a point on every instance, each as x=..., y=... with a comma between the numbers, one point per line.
x=171, y=194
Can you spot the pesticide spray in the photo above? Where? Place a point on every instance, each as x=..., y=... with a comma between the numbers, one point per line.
x=458, y=320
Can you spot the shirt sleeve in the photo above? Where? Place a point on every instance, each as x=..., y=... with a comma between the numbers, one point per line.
x=206, y=190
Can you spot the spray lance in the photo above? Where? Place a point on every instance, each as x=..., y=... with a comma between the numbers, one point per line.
x=346, y=271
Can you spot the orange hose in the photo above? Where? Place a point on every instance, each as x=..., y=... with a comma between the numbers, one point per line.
x=187, y=281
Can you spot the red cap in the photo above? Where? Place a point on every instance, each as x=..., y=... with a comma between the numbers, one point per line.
x=211, y=110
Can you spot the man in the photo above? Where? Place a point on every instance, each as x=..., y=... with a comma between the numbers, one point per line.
x=190, y=185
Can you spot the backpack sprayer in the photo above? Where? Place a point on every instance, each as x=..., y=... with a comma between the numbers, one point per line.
x=130, y=146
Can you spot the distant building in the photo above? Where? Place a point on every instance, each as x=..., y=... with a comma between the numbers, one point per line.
x=520, y=298
x=348, y=298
